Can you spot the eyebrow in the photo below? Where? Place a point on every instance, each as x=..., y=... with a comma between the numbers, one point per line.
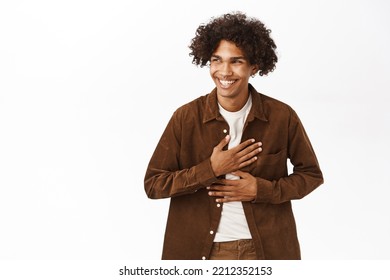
x=231, y=58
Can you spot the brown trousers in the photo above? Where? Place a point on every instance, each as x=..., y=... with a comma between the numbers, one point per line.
x=233, y=250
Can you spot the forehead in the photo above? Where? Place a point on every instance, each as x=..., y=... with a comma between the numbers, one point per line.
x=228, y=49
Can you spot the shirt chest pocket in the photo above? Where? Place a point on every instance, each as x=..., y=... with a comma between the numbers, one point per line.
x=270, y=166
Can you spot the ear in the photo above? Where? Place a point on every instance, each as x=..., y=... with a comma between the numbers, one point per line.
x=255, y=69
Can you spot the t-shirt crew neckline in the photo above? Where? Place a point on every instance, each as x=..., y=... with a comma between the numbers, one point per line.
x=238, y=113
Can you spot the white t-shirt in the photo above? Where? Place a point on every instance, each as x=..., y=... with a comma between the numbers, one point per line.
x=233, y=224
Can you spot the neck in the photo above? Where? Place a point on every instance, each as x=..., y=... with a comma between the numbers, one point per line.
x=233, y=104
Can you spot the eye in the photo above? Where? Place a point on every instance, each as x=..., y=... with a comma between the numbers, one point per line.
x=237, y=61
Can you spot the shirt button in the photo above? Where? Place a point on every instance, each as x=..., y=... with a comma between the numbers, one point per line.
x=218, y=205
x=225, y=130
x=211, y=232
x=203, y=258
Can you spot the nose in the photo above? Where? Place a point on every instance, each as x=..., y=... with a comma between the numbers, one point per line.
x=225, y=69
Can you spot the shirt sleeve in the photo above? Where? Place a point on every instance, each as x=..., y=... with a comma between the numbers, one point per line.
x=306, y=174
x=164, y=176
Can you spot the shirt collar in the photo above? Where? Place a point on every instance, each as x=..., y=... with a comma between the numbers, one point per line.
x=257, y=110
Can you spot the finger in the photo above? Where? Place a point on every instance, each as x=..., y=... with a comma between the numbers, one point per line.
x=223, y=142
x=222, y=194
x=250, y=151
x=240, y=174
x=227, y=182
x=219, y=193
x=243, y=145
x=216, y=187
x=222, y=188
x=246, y=163
x=234, y=198
x=229, y=199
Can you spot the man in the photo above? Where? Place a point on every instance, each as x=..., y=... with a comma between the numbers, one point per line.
x=222, y=158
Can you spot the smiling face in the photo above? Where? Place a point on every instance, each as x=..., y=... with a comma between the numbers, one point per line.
x=230, y=71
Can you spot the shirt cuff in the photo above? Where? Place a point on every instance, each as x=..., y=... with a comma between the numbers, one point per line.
x=264, y=191
x=204, y=173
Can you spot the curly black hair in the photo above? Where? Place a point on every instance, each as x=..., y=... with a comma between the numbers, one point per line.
x=249, y=34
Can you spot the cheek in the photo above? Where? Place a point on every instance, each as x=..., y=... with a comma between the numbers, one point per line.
x=245, y=75
x=245, y=72
x=212, y=70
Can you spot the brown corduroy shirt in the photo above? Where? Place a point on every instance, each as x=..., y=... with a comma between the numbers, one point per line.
x=180, y=168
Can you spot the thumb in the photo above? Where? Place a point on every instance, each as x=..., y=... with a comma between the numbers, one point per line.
x=240, y=173
x=223, y=142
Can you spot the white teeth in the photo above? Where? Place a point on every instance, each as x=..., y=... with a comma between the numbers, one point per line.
x=226, y=82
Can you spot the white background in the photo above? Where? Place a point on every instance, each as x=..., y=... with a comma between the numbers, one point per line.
x=87, y=87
